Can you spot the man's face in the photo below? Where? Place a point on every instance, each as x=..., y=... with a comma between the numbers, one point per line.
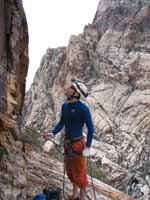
x=69, y=91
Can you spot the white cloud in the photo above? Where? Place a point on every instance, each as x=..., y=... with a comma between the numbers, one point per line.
x=51, y=23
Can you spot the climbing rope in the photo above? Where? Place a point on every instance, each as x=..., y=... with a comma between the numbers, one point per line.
x=92, y=182
x=63, y=187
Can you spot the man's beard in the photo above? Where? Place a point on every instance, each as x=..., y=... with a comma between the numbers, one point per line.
x=69, y=97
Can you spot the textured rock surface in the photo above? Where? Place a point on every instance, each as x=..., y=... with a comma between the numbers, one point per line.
x=13, y=70
x=42, y=174
x=112, y=56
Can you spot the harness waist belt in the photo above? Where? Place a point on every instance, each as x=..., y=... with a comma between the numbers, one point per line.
x=74, y=139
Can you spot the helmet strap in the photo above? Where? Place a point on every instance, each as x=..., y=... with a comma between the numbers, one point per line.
x=72, y=96
x=76, y=97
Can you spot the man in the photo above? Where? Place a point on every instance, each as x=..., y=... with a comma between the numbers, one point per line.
x=74, y=115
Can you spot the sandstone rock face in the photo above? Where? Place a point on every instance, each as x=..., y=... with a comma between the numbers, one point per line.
x=112, y=56
x=13, y=70
x=42, y=174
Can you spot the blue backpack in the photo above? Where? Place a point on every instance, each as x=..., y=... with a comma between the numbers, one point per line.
x=40, y=197
x=51, y=193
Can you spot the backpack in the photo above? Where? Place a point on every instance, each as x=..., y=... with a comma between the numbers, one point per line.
x=52, y=193
x=40, y=197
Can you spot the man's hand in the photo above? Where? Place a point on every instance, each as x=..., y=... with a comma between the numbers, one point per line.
x=47, y=136
x=86, y=152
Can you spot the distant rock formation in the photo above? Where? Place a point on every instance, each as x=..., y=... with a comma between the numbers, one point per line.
x=13, y=70
x=112, y=56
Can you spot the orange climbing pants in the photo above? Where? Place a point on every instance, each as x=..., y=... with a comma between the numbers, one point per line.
x=76, y=165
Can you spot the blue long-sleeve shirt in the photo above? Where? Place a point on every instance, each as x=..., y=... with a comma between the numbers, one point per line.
x=73, y=116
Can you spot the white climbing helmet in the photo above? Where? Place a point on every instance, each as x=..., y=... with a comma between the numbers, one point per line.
x=80, y=87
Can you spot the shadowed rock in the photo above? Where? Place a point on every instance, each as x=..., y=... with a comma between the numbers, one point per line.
x=13, y=70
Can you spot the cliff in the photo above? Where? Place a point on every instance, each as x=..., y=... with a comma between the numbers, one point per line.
x=112, y=56
x=13, y=70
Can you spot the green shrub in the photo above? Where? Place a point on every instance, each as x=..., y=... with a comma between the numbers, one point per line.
x=3, y=152
x=96, y=171
x=32, y=136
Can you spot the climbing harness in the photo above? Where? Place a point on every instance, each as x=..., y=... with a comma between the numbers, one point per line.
x=68, y=147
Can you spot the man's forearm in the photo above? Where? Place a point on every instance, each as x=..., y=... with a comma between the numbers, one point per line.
x=57, y=128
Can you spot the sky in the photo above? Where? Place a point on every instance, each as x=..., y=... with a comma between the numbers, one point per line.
x=50, y=25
